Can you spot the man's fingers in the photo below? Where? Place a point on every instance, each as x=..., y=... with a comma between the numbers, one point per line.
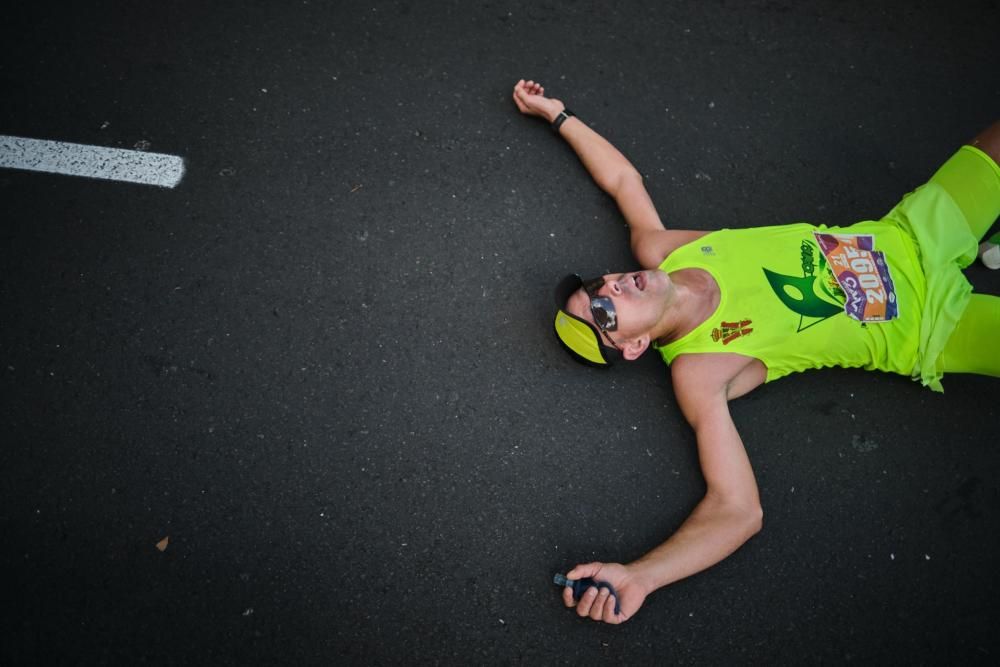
x=584, y=570
x=529, y=88
x=609, y=610
x=597, y=609
x=586, y=602
x=568, y=596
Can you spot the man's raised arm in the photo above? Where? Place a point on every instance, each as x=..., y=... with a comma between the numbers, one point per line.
x=613, y=173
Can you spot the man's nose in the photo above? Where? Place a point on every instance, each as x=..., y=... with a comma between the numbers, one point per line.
x=614, y=287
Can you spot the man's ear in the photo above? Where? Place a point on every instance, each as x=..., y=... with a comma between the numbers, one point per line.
x=634, y=348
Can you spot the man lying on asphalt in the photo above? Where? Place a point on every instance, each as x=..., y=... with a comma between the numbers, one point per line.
x=732, y=309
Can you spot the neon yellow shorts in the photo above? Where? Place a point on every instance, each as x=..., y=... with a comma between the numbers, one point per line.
x=972, y=179
x=946, y=218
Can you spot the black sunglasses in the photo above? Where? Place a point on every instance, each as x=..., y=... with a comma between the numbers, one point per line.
x=601, y=307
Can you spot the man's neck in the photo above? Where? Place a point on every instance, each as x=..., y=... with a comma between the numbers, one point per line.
x=693, y=299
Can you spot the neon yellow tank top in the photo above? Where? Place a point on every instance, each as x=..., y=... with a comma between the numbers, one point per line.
x=782, y=304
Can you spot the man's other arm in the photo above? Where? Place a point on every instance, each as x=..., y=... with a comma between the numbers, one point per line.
x=730, y=513
x=651, y=242
x=727, y=516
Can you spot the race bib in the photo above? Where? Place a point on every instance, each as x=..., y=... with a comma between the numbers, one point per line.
x=863, y=274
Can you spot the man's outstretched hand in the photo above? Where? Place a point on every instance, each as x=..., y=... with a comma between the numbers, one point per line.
x=599, y=604
x=529, y=96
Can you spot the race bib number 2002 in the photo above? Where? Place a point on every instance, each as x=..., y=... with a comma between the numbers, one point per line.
x=863, y=274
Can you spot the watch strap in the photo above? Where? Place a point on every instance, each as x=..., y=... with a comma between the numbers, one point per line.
x=560, y=119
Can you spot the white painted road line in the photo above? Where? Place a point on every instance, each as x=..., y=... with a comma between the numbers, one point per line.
x=114, y=164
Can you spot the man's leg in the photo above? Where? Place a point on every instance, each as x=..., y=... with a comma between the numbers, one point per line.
x=988, y=141
x=974, y=346
x=972, y=178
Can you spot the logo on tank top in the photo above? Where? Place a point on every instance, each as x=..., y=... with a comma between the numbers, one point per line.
x=816, y=295
x=727, y=332
x=846, y=275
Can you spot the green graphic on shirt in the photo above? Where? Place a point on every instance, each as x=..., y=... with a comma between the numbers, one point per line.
x=817, y=297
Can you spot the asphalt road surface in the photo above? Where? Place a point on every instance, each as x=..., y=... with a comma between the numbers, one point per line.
x=306, y=406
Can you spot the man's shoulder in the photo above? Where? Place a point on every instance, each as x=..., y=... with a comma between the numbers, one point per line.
x=652, y=247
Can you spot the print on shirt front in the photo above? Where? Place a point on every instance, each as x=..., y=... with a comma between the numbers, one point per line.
x=814, y=297
x=727, y=332
x=862, y=286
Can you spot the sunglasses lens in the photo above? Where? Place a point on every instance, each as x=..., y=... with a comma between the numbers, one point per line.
x=604, y=313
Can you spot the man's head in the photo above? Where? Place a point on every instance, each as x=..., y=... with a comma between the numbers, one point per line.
x=614, y=316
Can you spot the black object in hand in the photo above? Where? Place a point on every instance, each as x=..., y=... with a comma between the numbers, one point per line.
x=580, y=587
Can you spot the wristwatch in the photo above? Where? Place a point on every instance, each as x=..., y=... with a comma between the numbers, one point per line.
x=560, y=119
